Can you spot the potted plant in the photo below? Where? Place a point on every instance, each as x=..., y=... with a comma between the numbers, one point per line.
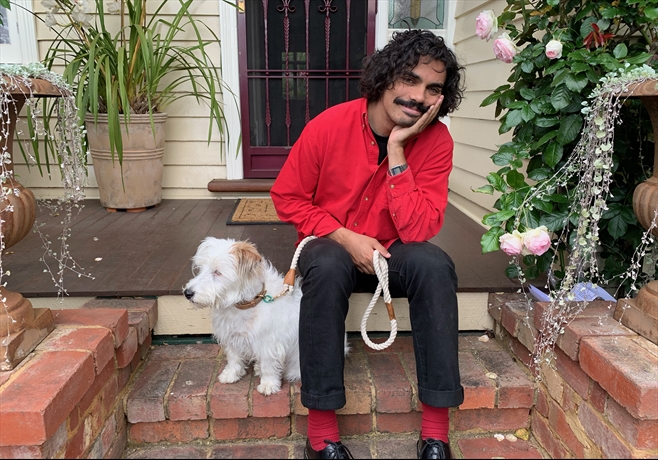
x=124, y=77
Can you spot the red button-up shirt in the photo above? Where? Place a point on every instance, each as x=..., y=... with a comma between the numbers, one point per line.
x=331, y=179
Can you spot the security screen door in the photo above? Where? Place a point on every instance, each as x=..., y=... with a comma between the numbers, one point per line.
x=297, y=58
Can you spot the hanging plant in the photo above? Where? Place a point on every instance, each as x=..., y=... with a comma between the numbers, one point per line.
x=66, y=136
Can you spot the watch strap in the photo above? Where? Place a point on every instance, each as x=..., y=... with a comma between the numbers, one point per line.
x=395, y=170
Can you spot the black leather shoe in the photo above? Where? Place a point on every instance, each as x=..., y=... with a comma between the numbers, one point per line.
x=333, y=450
x=432, y=448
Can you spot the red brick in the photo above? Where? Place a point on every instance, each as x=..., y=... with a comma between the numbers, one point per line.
x=75, y=447
x=170, y=431
x=126, y=351
x=109, y=395
x=400, y=345
x=355, y=424
x=250, y=428
x=490, y=419
x=146, y=400
x=358, y=392
x=597, y=396
x=631, y=382
x=569, y=342
x=96, y=387
x=514, y=387
x=297, y=407
x=546, y=438
x=570, y=399
x=120, y=442
x=572, y=373
x=479, y=390
x=542, y=401
x=558, y=422
x=276, y=405
x=521, y=352
x=114, y=320
x=140, y=321
x=188, y=395
x=39, y=399
x=188, y=351
x=642, y=434
x=230, y=400
x=601, y=433
x=399, y=423
x=512, y=314
x=123, y=377
x=268, y=450
x=97, y=340
x=148, y=306
x=593, y=309
x=490, y=447
x=392, y=387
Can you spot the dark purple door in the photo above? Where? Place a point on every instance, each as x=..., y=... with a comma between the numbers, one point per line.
x=297, y=57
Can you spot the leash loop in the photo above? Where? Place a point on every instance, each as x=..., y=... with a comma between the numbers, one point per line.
x=381, y=270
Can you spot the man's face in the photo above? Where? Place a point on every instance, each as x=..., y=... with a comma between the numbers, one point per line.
x=413, y=93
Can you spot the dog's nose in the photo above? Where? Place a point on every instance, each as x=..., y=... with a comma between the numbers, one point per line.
x=188, y=293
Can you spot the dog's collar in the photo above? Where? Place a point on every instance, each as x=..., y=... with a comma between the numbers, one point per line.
x=247, y=304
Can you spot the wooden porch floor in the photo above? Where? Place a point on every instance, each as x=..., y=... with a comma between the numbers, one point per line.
x=148, y=253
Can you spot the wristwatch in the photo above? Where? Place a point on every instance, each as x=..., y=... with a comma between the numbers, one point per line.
x=395, y=170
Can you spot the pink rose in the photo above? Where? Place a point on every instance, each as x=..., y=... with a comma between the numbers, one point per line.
x=504, y=48
x=486, y=25
x=537, y=240
x=554, y=49
x=511, y=243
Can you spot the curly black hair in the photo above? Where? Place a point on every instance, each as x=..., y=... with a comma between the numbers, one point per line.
x=384, y=67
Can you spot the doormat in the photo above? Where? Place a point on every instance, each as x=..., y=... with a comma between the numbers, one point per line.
x=254, y=211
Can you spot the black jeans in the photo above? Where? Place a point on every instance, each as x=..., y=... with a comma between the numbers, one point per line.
x=421, y=272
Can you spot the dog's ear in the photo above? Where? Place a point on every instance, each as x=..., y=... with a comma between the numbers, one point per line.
x=248, y=257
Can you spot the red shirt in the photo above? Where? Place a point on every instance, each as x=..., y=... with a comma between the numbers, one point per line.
x=331, y=179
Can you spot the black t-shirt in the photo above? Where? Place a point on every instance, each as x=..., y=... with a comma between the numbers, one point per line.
x=381, y=142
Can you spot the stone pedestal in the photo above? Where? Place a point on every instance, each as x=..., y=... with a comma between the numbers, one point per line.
x=641, y=313
x=22, y=327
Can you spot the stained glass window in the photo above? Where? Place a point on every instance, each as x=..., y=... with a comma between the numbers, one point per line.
x=416, y=14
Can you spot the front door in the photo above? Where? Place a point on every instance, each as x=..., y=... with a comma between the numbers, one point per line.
x=297, y=57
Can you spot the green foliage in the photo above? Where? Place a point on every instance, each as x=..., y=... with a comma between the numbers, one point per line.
x=151, y=61
x=542, y=106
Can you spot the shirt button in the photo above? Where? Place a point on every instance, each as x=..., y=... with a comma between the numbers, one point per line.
x=372, y=143
x=392, y=186
x=366, y=198
x=355, y=224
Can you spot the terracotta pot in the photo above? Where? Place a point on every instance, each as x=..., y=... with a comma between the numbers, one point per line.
x=139, y=183
x=17, y=223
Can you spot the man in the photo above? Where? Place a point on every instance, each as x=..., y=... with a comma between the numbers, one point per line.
x=372, y=174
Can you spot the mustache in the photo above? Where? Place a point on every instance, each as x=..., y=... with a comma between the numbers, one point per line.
x=412, y=104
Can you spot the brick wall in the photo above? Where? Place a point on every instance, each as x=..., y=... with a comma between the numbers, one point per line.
x=598, y=397
x=66, y=399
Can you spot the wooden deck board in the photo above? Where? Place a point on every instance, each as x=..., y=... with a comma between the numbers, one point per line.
x=149, y=253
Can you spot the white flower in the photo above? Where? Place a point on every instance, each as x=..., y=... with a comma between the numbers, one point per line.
x=49, y=4
x=504, y=48
x=554, y=49
x=50, y=20
x=114, y=7
x=486, y=25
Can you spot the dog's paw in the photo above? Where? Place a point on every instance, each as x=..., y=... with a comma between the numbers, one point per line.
x=231, y=375
x=268, y=387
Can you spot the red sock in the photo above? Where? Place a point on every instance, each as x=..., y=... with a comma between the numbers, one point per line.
x=322, y=424
x=436, y=423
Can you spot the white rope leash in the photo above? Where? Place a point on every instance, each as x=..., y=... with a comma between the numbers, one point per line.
x=381, y=269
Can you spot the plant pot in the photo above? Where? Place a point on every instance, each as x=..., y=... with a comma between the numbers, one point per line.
x=138, y=184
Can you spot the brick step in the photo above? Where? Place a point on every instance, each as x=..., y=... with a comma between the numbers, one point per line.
x=177, y=397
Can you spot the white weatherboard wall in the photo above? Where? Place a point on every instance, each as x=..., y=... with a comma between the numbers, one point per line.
x=475, y=128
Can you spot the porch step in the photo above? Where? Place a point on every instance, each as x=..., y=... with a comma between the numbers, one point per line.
x=177, y=399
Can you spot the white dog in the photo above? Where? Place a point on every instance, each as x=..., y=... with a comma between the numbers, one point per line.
x=232, y=277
